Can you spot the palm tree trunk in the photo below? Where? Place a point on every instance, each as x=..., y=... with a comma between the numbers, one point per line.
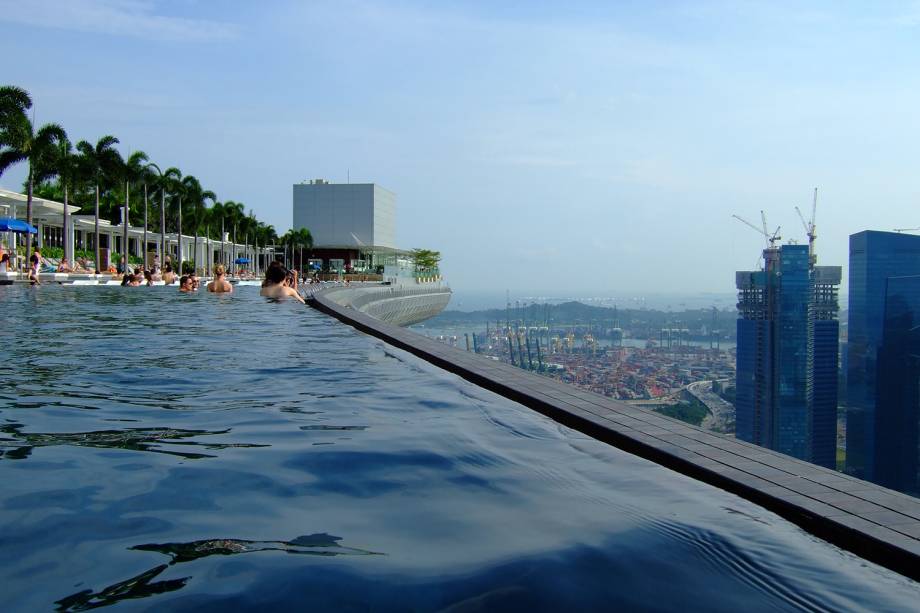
x=179, y=236
x=96, y=245
x=66, y=225
x=124, y=221
x=162, y=226
x=195, y=251
x=144, y=250
x=223, y=254
x=29, y=218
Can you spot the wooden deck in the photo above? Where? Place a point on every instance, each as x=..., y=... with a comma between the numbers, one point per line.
x=873, y=522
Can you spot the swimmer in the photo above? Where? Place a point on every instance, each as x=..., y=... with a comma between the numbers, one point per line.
x=220, y=285
x=169, y=277
x=275, y=284
x=185, y=284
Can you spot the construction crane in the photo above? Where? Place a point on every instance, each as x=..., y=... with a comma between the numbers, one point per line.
x=810, y=229
x=906, y=229
x=769, y=239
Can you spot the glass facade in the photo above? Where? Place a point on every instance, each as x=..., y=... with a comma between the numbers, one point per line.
x=897, y=410
x=787, y=355
x=875, y=257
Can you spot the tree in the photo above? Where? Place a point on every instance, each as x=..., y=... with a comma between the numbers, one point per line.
x=13, y=101
x=426, y=260
x=196, y=196
x=21, y=142
x=173, y=178
x=133, y=171
x=61, y=162
x=98, y=163
x=159, y=178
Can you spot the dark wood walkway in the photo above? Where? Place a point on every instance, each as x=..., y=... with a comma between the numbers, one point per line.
x=873, y=522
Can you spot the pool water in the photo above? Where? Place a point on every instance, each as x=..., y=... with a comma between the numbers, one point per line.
x=201, y=452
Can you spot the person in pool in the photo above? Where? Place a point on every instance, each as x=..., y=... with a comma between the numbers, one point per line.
x=220, y=285
x=275, y=286
x=185, y=284
x=169, y=277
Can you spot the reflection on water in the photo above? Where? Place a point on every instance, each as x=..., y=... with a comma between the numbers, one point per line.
x=143, y=584
x=137, y=439
x=136, y=423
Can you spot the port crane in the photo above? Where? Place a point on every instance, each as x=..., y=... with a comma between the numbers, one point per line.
x=769, y=239
x=810, y=228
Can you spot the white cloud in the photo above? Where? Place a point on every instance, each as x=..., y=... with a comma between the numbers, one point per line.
x=135, y=18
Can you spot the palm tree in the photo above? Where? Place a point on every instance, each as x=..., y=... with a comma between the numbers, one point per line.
x=158, y=177
x=61, y=162
x=133, y=171
x=98, y=163
x=21, y=142
x=196, y=195
x=147, y=176
x=232, y=213
x=299, y=239
x=13, y=101
x=173, y=177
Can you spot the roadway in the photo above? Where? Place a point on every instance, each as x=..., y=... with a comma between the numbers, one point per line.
x=721, y=412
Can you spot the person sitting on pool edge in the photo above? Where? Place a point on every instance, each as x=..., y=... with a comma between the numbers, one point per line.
x=274, y=285
x=220, y=285
x=185, y=284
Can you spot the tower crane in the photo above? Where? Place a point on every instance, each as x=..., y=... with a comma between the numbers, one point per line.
x=906, y=229
x=769, y=239
x=810, y=228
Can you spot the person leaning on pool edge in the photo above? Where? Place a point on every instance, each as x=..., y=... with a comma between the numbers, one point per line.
x=275, y=285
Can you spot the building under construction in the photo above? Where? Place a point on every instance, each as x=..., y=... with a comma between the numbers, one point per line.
x=787, y=335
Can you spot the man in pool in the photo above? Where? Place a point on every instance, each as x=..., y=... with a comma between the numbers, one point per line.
x=274, y=285
x=220, y=285
x=185, y=284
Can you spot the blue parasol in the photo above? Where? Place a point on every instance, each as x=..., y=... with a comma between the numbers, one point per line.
x=16, y=225
x=241, y=261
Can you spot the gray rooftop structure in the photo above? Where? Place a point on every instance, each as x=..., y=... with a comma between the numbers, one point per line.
x=345, y=215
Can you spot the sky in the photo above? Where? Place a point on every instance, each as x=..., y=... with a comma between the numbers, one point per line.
x=581, y=148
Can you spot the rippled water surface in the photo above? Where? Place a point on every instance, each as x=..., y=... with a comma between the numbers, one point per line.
x=166, y=451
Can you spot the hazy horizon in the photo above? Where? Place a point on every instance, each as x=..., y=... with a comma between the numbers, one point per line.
x=586, y=149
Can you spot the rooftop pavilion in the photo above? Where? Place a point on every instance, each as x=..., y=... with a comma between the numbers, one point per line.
x=48, y=218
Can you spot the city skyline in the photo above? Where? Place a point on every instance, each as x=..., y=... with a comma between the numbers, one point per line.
x=571, y=149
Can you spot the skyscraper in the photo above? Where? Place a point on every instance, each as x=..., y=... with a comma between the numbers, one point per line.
x=882, y=350
x=787, y=355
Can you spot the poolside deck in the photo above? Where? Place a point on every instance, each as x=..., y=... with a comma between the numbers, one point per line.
x=873, y=522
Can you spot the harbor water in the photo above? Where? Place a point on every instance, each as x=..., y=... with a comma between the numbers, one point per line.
x=162, y=451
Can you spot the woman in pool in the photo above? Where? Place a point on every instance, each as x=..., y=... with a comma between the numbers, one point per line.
x=275, y=286
x=220, y=285
x=169, y=277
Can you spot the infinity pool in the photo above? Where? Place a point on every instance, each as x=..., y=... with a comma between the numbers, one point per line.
x=195, y=452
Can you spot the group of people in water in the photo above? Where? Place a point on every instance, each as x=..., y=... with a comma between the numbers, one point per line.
x=279, y=282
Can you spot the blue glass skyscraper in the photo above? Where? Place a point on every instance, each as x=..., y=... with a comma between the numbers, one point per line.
x=787, y=355
x=881, y=382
